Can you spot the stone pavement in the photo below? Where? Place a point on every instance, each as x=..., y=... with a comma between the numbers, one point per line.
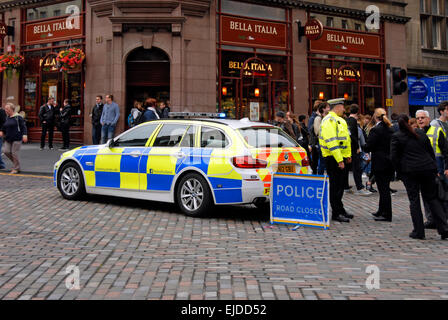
x=130, y=249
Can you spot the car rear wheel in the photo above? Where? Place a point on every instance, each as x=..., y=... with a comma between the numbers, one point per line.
x=193, y=195
x=71, y=182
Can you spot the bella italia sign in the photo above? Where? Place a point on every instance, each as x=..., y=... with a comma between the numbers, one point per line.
x=348, y=43
x=52, y=30
x=255, y=33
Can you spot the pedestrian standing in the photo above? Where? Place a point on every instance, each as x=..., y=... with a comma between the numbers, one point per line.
x=109, y=118
x=47, y=117
x=150, y=110
x=439, y=144
x=13, y=132
x=378, y=143
x=352, y=123
x=65, y=116
x=334, y=139
x=284, y=124
x=413, y=157
x=314, y=139
x=2, y=121
x=442, y=121
x=322, y=112
x=95, y=115
x=165, y=110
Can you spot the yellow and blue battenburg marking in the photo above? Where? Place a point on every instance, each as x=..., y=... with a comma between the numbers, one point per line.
x=154, y=169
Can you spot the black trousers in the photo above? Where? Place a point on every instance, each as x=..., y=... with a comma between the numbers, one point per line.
x=357, y=171
x=314, y=158
x=65, y=130
x=337, y=180
x=383, y=179
x=424, y=181
x=50, y=128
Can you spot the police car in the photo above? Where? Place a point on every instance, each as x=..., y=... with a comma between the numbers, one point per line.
x=195, y=162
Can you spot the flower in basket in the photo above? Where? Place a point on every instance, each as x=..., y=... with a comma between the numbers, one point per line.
x=70, y=59
x=10, y=63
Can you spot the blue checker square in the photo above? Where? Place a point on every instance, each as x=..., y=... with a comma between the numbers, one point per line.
x=160, y=182
x=107, y=179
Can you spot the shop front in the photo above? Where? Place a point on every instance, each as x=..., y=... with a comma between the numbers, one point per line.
x=347, y=63
x=46, y=32
x=254, y=60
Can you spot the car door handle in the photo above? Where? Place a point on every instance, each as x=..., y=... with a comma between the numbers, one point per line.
x=135, y=154
x=179, y=155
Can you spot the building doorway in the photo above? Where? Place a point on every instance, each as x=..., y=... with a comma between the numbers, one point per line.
x=147, y=76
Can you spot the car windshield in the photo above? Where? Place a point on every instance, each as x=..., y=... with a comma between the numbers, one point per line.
x=270, y=137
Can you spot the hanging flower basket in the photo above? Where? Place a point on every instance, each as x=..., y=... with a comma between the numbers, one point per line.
x=10, y=63
x=70, y=59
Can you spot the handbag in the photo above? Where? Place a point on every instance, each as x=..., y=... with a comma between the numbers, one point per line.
x=442, y=188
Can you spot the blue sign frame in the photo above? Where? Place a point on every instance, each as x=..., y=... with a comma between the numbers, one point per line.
x=300, y=199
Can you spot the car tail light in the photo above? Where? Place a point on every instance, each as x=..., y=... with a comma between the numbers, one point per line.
x=247, y=162
x=305, y=162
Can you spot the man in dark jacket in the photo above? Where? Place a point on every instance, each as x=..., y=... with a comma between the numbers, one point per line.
x=2, y=121
x=97, y=110
x=352, y=124
x=66, y=112
x=47, y=117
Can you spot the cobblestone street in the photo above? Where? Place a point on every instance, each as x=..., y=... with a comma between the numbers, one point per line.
x=131, y=249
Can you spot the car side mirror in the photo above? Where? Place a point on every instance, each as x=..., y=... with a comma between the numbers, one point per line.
x=111, y=143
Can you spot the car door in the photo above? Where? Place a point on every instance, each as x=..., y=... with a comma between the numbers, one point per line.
x=164, y=157
x=117, y=165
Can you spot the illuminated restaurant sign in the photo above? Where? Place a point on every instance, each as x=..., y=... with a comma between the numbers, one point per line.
x=53, y=30
x=256, y=33
x=348, y=43
x=345, y=74
x=254, y=68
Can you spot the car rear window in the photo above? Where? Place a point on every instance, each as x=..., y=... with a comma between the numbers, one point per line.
x=267, y=138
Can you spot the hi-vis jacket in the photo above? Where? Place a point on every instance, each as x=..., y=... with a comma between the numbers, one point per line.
x=434, y=134
x=334, y=138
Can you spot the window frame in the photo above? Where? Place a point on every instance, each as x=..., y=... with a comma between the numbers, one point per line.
x=162, y=125
x=218, y=129
x=116, y=139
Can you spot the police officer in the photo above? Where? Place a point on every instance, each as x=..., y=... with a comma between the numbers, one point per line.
x=335, y=143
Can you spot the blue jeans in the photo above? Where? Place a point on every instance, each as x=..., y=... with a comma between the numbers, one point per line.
x=107, y=132
x=2, y=164
x=321, y=167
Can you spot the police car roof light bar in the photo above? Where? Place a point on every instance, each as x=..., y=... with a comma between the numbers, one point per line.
x=197, y=115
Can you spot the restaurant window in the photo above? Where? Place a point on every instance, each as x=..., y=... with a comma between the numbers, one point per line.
x=253, y=78
x=51, y=11
x=335, y=74
x=252, y=10
x=330, y=22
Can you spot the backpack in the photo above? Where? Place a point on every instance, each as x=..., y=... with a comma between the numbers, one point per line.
x=135, y=117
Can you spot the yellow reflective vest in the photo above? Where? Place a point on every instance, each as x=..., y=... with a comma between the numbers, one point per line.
x=433, y=134
x=334, y=137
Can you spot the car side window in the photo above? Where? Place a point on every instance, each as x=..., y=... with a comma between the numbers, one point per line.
x=170, y=135
x=188, y=140
x=136, y=137
x=213, y=138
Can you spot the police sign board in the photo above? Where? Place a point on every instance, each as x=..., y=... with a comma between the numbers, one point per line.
x=300, y=200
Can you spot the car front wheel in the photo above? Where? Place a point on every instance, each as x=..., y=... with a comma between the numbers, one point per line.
x=193, y=195
x=71, y=182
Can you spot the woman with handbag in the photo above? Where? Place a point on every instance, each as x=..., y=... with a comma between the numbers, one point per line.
x=413, y=157
x=13, y=132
